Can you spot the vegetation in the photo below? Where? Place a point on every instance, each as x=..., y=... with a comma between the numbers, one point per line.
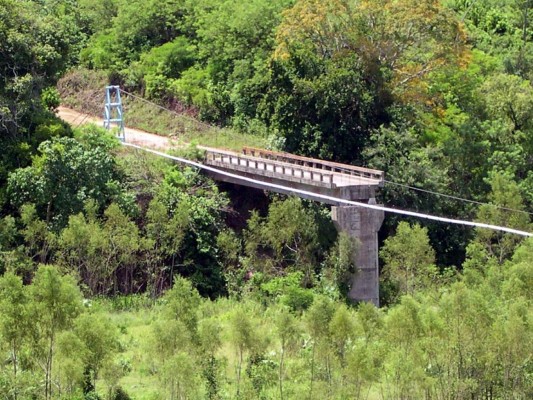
x=124, y=276
x=462, y=340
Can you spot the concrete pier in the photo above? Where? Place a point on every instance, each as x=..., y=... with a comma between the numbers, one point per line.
x=362, y=224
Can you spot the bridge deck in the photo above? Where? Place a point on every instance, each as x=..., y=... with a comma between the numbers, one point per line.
x=289, y=167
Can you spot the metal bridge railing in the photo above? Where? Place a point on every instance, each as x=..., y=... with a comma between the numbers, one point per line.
x=334, y=167
x=269, y=168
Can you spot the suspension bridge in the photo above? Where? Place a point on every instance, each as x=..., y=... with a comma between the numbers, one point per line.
x=350, y=190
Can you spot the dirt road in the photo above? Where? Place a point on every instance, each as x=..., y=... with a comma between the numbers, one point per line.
x=134, y=136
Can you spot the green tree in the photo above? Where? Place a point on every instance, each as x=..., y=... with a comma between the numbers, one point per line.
x=195, y=201
x=393, y=33
x=340, y=262
x=15, y=323
x=55, y=303
x=137, y=26
x=317, y=320
x=504, y=197
x=230, y=247
x=235, y=41
x=290, y=233
x=519, y=276
x=97, y=13
x=162, y=65
x=342, y=329
x=36, y=46
x=511, y=98
x=468, y=318
x=364, y=359
x=169, y=337
x=409, y=258
x=104, y=254
x=122, y=244
x=8, y=232
x=69, y=365
x=181, y=304
x=510, y=343
x=176, y=337
x=99, y=339
x=244, y=337
x=326, y=107
x=165, y=233
x=180, y=377
x=288, y=291
x=209, y=332
x=288, y=333
x=80, y=247
x=323, y=108
x=403, y=375
x=65, y=176
x=39, y=239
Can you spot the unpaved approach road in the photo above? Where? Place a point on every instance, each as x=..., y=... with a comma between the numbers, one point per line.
x=134, y=136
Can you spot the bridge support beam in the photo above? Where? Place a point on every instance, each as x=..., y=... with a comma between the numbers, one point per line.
x=362, y=224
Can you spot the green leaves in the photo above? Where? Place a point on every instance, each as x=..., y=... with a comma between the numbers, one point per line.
x=181, y=304
x=323, y=108
x=99, y=340
x=510, y=98
x=65, y=176
x=56, y=303
x=409, y=259
x=137, y=27
x=290, y=232
x=506, y=208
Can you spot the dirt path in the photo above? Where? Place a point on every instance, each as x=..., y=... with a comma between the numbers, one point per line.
x=134, y=136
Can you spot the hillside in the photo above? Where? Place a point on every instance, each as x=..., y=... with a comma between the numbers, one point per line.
x=124, y=276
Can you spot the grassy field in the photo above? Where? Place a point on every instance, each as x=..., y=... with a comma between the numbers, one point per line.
x=135, y=327
x=142, y=378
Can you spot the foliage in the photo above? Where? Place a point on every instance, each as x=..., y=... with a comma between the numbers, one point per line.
x=181, y=303
x=464, y=340
x=65, y=175
x=288, y=291
x=409, y=259
x=36, y=46
x=286, y=238
x=505, y=196
x=57, y=301
x=98, y=338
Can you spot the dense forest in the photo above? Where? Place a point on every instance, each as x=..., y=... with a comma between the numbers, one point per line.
x=123, y=276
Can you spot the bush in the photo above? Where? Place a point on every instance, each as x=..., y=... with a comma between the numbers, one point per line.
x=288, y=291
x=92, y=395
x=50, y=98
x=120, y=394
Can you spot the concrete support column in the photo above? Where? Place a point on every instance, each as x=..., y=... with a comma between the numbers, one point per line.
x=363, y=224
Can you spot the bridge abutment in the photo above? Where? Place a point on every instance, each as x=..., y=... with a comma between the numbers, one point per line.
x=362, y=224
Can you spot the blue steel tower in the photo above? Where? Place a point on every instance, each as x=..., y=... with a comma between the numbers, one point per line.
x=113, y=116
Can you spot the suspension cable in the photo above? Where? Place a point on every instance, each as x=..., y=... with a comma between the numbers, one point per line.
x=457, y=198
